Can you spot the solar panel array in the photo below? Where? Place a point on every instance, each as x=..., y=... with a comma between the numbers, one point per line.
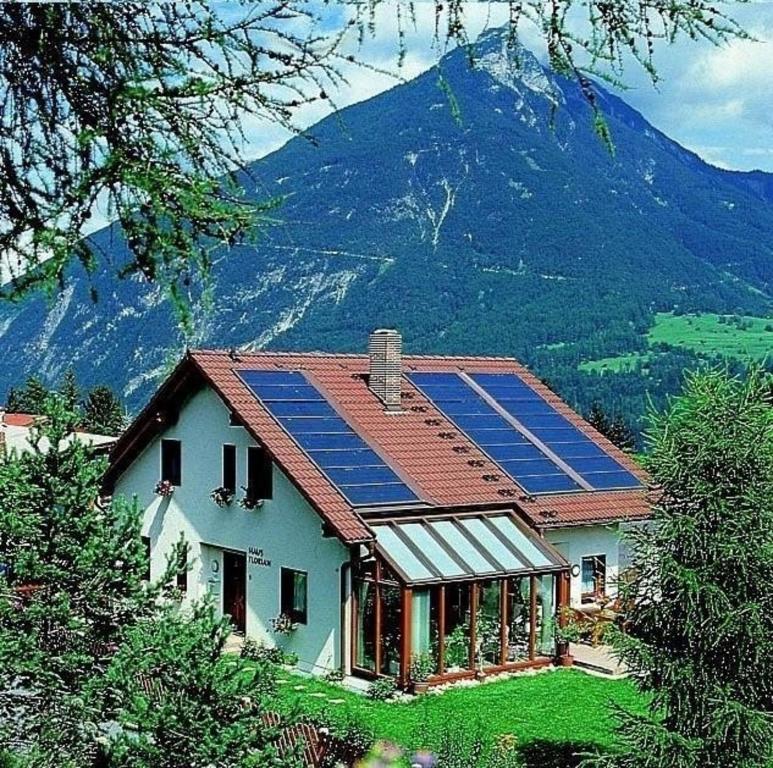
x=552, y=428
x=513, y=449
x=341, y=454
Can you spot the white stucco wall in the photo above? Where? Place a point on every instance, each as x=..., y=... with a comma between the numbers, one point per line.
x=576, y=543
x=286, y=529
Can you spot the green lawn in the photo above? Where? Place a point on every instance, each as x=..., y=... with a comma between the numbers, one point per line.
x=744, y=338
x=553, y=714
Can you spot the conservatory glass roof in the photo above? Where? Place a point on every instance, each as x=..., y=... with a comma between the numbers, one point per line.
x=476, y=546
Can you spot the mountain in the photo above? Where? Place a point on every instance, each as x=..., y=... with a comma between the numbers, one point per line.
x=473, y=208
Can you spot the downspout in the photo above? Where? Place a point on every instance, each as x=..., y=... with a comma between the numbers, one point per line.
x=346, y=623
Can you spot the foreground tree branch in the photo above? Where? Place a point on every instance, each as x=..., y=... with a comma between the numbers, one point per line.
x=138, y=107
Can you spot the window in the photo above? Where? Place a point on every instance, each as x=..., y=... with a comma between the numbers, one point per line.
x=229, y=467
x=594, y=573
x=146, y=547
x=293, y=598
x=171, y=461
x=259, y=479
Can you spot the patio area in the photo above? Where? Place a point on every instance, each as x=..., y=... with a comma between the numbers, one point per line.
x=597, y=659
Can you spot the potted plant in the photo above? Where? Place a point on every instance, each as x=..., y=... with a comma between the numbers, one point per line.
x=283, y=625
x=422, y=667
x=164, y=489
x=222, y=496
x=248, y=501
x=567, y=631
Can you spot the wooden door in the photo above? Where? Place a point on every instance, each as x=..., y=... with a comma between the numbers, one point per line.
x=235, y=589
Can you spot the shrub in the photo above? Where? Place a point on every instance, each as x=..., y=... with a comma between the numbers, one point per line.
x=505, y=753
x=348, y=739
x=334, y=676
x=256, y=652
x=460, y=747
x=423, y=666
x=382, y=689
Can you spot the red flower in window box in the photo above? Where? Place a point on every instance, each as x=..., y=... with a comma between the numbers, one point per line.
x=248, y=501
x=283, y=625
x=164, y=489
x=222, y=496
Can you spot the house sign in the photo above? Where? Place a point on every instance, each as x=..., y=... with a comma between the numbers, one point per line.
x=256, y=557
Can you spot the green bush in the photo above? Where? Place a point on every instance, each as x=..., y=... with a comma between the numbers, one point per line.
x=456, y=746
x=423, y=666
x=254, y=651
x=382, y=689
x=334, y=676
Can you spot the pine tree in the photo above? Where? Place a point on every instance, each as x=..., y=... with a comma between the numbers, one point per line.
x=597, y=418
x=700, y=618
x=30, y=398
x=615, y=430
x=69, y=587
x=69, y=390
x=195, y=708
x=102, y=412
x=99, y=669
x=621, y=434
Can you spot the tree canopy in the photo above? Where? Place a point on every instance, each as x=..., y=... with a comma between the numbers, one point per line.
x=699, y=617
x=100, y=410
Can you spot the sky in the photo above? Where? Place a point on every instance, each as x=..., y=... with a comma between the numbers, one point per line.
x=716, y=101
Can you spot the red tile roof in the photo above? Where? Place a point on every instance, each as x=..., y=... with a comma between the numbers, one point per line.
x=414, y=442
x=18, y=419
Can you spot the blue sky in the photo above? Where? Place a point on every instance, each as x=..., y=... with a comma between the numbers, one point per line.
x=715, y=101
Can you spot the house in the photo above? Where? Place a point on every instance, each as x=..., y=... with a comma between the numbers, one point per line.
x=380, y=512
x=17, y=433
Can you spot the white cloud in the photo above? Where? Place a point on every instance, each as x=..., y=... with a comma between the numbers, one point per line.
x=716, y=97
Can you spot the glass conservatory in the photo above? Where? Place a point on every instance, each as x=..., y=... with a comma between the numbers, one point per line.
x=455, y=597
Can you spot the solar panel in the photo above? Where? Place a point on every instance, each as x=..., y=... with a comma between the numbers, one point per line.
x=552, y=428
x=537, y=465
x=339, y=452
x=497, y=437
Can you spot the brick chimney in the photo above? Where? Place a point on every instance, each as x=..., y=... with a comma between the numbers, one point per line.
x=385, y=348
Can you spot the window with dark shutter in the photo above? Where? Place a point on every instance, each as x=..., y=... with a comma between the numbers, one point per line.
x=294, y=590
x=259, y=475
x=171, y=461
x=229, y=467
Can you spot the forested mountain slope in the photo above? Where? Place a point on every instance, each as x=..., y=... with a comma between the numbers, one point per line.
x=474, y=209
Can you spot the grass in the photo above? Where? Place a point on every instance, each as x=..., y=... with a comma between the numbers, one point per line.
x=744, y=338
x=554, y=715
x=617, y=364
x=749, y=338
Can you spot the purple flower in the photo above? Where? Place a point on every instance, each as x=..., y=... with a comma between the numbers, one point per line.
x=423, y=759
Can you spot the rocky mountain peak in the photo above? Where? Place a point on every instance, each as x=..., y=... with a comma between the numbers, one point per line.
x=514, y=66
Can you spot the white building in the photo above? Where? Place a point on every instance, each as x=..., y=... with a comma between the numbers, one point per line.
x=18, y=431
x=385, y=510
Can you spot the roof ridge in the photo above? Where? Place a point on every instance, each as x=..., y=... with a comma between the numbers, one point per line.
x=357, y=355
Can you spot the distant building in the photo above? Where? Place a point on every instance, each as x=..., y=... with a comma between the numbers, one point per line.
x=16, y=432
x=378, y=510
